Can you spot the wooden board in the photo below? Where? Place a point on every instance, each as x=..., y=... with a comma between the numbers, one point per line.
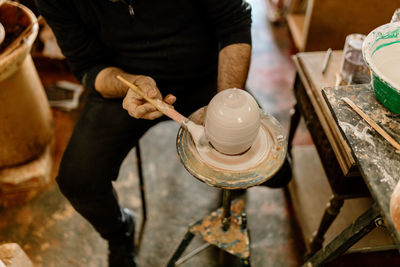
x=310, y=192
x=309, y=67
x=296, y=27
x=331, y=21
x=327, y=23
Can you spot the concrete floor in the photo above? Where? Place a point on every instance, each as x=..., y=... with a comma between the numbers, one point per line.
x=53, y=234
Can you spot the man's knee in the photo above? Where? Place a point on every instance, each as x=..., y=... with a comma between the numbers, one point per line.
x=68, y=182
x=75, y=178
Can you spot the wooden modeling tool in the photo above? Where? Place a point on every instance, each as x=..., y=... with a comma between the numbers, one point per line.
x=163, y=107
x=326, y=60
x=197, y=131
x=373, y=124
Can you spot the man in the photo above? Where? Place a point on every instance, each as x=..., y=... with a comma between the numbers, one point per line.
x=187, y=48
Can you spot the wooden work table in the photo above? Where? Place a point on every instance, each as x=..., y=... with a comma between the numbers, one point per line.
x=309, y=66
x=343, y=178
x=376, y=158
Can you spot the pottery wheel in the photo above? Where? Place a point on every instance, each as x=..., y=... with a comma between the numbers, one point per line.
x=255, y=155
x=251, y=168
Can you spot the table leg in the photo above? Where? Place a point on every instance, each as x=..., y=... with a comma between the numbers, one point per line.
x=294, y=122
x=182, y=246
x=330, y=214
x=353, y=233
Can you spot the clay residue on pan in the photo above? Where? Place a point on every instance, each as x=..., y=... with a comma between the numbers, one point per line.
x=361, y=134
x=198, y=136
x=228, y=178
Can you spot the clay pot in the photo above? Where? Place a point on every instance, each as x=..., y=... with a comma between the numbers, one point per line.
x=232, y=121
x=25, y=115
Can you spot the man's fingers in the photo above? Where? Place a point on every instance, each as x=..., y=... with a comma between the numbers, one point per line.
x=131, y=102
x=152, y=115
x=144, y=109
x=148, y=86
x=170, y=99
x=137, y=107
x=135, y=95
x=150, y=91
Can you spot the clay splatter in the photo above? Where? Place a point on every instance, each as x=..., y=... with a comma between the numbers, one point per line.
x=363, y=134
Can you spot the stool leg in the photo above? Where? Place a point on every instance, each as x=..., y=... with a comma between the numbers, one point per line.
x=245, y=262
x=181, y=248
x=142, y=192
x=331, y=211
x=226, y=209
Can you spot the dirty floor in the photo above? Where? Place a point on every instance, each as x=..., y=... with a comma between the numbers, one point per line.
x=53, y=234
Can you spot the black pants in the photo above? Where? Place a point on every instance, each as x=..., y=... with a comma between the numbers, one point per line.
x=102, y=137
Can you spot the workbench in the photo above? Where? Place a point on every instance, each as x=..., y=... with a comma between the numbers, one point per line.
x=338, y=163
x=377, y=160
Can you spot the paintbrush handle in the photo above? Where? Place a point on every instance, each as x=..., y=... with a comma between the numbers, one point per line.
x=373, y=124
x=136, y=89
x=160, y=105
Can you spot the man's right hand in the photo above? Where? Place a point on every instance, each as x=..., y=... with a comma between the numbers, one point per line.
x=139, y=108
x=110, y=87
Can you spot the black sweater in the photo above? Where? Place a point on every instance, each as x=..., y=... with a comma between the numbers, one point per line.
x=172, y=41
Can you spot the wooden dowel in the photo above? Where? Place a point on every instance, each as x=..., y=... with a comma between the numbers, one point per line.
x=137, y=90
x=326, y=60
x=373, y=124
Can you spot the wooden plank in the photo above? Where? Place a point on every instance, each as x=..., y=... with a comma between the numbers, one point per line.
x=312, y=63
x=310, y=192
x=309, y=66
x=331, y=21
x=296, y=27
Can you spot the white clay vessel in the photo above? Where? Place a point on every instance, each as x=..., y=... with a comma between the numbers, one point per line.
x=232, y=121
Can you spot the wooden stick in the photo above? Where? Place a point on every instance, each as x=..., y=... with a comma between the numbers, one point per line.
x=326, y=60
x=163, y=107
x=373, y=124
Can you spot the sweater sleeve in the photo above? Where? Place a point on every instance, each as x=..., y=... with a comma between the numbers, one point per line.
x=85, y=54
x=230, y=20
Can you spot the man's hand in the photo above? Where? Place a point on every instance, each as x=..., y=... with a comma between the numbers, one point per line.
x=110, y=87
x=139, y=108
